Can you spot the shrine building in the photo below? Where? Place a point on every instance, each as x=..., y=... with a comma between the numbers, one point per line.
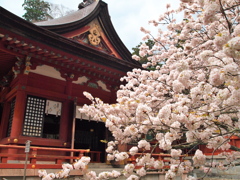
x=45, y=68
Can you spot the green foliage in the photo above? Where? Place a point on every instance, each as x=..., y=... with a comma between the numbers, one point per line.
x=36, y=10
x=136, y=50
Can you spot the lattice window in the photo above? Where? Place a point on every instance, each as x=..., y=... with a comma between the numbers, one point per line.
x=42, y=118
x=34, y=116
x=11, y=117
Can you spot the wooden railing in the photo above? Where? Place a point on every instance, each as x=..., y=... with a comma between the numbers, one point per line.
x=53, y=158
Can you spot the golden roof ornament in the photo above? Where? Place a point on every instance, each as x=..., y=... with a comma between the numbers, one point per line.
x=94, y=36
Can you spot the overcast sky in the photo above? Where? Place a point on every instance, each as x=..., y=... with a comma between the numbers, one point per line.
x=127, y=15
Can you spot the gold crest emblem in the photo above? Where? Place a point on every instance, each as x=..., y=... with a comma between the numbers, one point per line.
x=94, y=36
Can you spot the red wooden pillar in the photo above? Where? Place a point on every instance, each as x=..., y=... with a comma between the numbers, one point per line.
x=19, y=108
x=113, y=94
x=65, y=121
x=18, y=114
x=68, y=87
x=67, y=111
x=17, y=121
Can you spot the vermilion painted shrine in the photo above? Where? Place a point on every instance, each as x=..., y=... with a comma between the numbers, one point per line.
x=44, y=69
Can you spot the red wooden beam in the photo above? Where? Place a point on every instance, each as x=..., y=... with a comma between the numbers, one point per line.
x=30, y=166
x=44, y=148
x=13, y=40
x=8, y=50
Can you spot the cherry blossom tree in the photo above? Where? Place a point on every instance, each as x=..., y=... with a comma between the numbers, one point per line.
x=190, y=99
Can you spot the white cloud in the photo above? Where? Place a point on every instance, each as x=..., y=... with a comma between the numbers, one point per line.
x=128, y=17
x=15, y=7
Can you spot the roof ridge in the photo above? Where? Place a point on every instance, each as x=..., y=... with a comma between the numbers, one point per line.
x=69, y=18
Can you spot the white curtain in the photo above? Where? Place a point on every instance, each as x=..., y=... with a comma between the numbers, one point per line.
x=53, y=107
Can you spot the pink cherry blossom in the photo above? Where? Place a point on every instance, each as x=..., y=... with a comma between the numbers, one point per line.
x=133, y=150
x=144, y=144
x=176, y=152
x=133, y=177
x=199, y=158
x=189, y=99
x=141, y=171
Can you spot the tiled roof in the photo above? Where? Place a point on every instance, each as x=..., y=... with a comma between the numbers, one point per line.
x=75, y=16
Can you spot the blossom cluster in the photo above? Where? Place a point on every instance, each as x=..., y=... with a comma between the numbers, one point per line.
x=80, y=164
x=191, y=97
x=103, y=175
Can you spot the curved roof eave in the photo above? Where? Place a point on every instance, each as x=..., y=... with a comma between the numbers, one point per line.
x=10, y=24
x=99, y=10
x=72, y=21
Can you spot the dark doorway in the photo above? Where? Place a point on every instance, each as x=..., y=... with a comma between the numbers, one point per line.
x=88, y=135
